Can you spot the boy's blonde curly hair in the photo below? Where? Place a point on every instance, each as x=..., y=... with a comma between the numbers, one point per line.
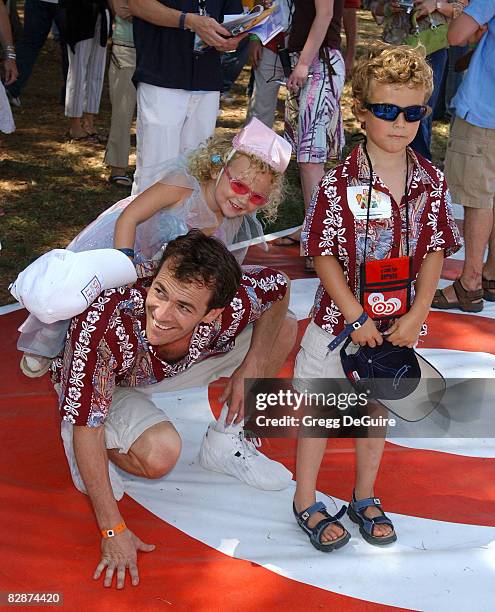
x=203, y=165
x=391, y=65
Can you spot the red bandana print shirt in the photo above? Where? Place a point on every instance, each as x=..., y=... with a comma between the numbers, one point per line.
x=330, y=227
x=106, y=345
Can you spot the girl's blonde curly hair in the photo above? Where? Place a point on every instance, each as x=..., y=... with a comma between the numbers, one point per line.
x=391, y=65
x=209, y=159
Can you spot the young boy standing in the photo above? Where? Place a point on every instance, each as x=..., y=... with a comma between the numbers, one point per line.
x=410, y=220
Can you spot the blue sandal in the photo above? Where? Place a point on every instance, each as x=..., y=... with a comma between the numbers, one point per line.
x=316, y=532
x=356, y=513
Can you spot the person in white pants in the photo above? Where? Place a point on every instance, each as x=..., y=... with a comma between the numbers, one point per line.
x=169, y=123
x=178, y=90
x=87, y=55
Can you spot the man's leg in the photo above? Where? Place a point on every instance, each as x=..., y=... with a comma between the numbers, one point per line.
x=161, y=114
x=489, y=267
x=422, y=141
x=263, y=102
x=470, y=174
x=478, y=226
x=199, y=125
x=76, y=91
x=94, y=79
x=38, y=17
x=153, y=454
x=139, y=436
x=123, y=99
x=225, y=449
x=233, y=63
x=60, y=21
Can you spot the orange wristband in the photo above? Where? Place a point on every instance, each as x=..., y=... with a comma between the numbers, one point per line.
x=110, y=533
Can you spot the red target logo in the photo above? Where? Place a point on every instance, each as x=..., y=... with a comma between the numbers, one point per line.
x=382, y=307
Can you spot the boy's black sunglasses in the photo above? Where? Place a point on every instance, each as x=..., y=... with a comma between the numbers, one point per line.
x=390, y=112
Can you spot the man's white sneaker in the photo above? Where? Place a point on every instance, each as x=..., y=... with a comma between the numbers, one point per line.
x=115, y=478
x=232, y=453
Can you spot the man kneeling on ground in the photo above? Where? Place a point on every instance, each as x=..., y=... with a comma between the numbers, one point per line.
x=199, y=319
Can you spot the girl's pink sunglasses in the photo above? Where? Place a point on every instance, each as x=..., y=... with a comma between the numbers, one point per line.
x=242, y=189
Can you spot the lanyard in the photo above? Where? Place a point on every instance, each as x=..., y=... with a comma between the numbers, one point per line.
x=385, y=284
x=202, y=7
x=369, y=204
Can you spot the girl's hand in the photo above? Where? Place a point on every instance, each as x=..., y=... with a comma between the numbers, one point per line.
x=367, y=334
x=11, y=71
x=425, y=7
x=405, y=331
x=298, y=77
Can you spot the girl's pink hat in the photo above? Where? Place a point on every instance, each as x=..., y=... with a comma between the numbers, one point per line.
x=259, y=140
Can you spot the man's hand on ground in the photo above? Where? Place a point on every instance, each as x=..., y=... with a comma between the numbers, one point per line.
x=118, y=554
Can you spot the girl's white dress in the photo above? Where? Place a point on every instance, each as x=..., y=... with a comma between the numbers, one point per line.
x=152, y=237
x=7, y=125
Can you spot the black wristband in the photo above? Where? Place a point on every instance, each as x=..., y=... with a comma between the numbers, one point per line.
x=128, y=252
x=182, y=21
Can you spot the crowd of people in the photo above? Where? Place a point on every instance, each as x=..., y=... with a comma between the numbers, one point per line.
x=184, y=312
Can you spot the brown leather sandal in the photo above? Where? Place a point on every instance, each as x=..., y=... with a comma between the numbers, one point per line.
x=467, y=301
x=488, y=289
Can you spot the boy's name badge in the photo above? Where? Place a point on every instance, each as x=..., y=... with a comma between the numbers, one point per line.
x=357, y=198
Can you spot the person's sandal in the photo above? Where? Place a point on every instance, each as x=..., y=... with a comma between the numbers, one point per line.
x=34, y=366
x=315, y=533
x=467, y=301
x=356, y=513
x=488, y=289
x=121, y=180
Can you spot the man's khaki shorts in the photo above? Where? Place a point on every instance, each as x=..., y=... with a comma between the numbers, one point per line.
x=132, y=411
x=470, y=165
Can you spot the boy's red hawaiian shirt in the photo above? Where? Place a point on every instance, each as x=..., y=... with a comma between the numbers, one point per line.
x=330, y=227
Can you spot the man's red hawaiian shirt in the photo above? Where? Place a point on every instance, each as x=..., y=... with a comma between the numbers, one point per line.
x=107, y=346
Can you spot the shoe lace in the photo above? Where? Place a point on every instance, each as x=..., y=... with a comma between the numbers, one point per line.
x=248, y=447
